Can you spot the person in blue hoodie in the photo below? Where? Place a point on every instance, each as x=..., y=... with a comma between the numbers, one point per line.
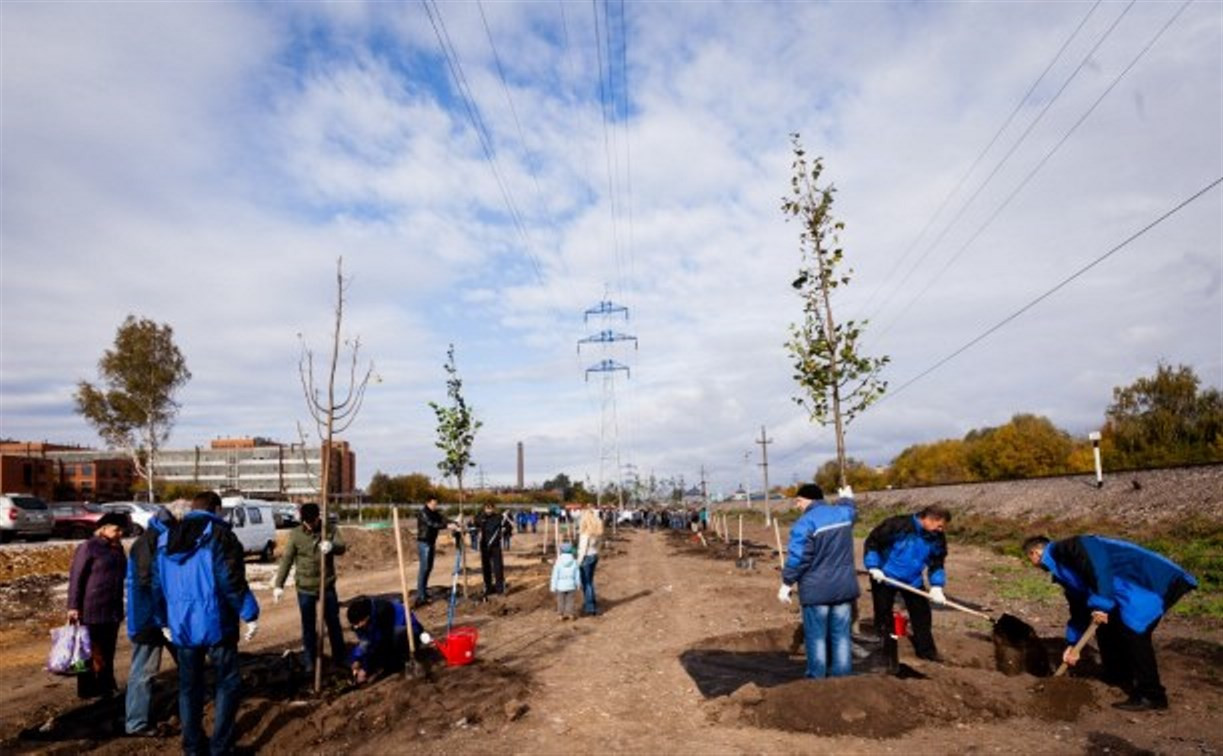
x=200, y=574
x=820, y=560
x=145, y=619
x=565, y=582
x=903, y=548
x=1125, y=590
x=381, y=627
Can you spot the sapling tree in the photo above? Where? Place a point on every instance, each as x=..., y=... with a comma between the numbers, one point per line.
x=133, y=406
x=837, y=381
x=331, y=417
x=456, y=432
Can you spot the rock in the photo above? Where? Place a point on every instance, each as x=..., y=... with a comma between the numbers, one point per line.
x=748, y=695
x=853, y=714
x=516, y=710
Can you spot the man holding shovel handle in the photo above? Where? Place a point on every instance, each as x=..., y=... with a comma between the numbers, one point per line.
x=1121, y=591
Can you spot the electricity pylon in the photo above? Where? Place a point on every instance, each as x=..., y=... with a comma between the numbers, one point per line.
x=609, y=424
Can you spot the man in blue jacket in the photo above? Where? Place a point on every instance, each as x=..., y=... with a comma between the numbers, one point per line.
x=200, y=573
x=902, y=548
x=820, y=560
x=1125, y=590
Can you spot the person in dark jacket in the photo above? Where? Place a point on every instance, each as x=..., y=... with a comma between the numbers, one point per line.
x=308, y=546
x=382, y=639
x=429, y=522
x=95, y=600
x=1125, y=590
x=902, y=548
x=145, y=619
x=200, y=574
x=489, y=525
x=820, y=560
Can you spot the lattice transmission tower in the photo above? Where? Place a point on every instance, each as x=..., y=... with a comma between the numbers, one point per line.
x=608, y=368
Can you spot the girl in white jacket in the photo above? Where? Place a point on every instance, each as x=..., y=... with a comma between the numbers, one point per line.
x=565, y=582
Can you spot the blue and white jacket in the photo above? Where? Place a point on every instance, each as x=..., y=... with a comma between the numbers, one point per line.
x=1106, y=574
x=903, y=549
x=565, y=573
x=200, y=573
x=820, y=557
x=145, y=614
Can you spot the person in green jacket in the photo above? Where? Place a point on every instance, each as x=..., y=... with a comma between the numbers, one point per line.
x=308, y=545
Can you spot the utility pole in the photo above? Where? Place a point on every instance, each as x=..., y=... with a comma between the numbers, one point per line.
x=764, y=455
x=609, y=424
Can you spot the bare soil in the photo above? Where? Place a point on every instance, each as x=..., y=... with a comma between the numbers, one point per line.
x=691, y=651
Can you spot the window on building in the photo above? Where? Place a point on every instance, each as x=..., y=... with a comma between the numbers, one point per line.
x=86, y=469
x=27, y=474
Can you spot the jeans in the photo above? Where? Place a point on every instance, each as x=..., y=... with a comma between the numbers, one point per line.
x=307, y=603
x=827, y=627
x=587, y=572
x=146, y=663
x=424, y=556
x=224, y=658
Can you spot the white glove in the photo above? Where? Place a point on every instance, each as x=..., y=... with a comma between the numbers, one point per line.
x=325, y=546
x=425, y=639
x=876, y=574
x=937, y=595
x=252, y=628
x=846, y=493
x=783, y=593
x=277, y=595
x=165, y=633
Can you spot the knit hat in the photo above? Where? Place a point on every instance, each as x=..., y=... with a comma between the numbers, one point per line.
x=566, y=548
x=112, y=518
x=810, y=492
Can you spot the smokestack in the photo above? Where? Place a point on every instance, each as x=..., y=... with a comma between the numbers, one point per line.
x=520, y=480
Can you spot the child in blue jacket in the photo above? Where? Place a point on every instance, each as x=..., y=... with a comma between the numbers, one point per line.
x=565, y=580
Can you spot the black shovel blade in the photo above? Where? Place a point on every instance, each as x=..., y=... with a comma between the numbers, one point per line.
x=1018, y=649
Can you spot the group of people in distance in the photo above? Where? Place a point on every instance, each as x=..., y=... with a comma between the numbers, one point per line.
x=1121, y=588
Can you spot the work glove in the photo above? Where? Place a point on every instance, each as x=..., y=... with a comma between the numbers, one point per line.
x=783, y=593
x=252, y=628
x=277, y=595
x=876, y=574
x=846, y=492
x=937, y=595
x=425, y=639
x=165, y=633
x=325, y=547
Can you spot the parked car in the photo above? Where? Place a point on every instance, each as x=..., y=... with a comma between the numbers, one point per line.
x=285, y=516
x=24, y=516
x=138, y=513
x=75, y=519
x=253, y=522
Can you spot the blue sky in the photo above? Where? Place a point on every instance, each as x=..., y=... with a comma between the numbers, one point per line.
x=204, y=164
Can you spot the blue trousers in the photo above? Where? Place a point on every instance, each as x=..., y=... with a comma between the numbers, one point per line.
x=586, y=570
x=307, y=604
x=146, y=663
x=224, y=658
x=826, y=628
x=424, y=555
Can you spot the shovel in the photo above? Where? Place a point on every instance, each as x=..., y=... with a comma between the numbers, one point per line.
x=403, y=587
x=1087, y=635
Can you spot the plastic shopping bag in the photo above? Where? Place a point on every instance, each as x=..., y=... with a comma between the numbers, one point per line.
x=70, y=650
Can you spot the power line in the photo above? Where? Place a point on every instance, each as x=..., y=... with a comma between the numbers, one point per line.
x=1032, y=173
x=998, y=166
x=483, y=135
x=981, y=155
x=607, y=151
x=987, y=332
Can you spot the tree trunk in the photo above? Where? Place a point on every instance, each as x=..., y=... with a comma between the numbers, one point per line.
x=833, y=367
x=325, y=488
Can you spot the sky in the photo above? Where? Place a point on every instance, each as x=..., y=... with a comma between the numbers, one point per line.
x=488, y=171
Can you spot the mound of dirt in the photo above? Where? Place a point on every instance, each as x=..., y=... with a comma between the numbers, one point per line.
x=20, y=560
x=1061, y=698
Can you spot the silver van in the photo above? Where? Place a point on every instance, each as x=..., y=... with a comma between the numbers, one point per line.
x=253, y=522
x=25, y=516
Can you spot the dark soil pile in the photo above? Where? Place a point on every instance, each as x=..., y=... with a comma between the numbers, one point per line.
x=1061, y=698
x=685, y=542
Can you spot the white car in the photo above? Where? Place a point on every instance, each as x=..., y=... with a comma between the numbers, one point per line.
x=24, y=515
x=137, y=511
x=253, y=522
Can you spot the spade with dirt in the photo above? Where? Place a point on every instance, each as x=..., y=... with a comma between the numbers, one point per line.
x=1017, y=647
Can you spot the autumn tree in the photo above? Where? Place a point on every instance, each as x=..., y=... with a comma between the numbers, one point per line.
x=1164, y=419
x=858, y=474
x=133, y=406
x=1027, y=446
x=837, y=381
x=930, y=464
x=456, y=428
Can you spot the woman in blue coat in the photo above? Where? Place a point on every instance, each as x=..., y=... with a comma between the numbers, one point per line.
x=1124, y=589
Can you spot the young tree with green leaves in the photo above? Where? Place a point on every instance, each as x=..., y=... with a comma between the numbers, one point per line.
x=456, y=428
x=133, y=406
x=838, y=382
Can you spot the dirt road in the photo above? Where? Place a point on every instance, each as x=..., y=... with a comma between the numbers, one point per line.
x=617, y=682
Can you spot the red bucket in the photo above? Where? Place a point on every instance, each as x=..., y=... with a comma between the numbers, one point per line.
x=459, y=647
x=900, y=625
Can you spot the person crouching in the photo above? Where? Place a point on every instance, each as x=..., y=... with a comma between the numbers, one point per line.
x=382, y=638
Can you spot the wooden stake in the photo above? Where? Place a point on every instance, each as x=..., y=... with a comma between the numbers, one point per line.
x=544, y=545
x=781, y=554
x=557, y=524
x=740, y=536
x=403, y=586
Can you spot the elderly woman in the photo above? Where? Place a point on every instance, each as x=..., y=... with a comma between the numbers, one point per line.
x=590, y=535
x=95, y=599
